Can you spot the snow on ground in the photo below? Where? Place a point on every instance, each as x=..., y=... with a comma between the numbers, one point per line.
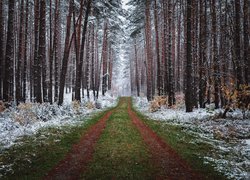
x=230, y=137
x=27, y=119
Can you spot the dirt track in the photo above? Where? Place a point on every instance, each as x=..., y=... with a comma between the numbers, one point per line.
x=76, y=161
x=168, y=163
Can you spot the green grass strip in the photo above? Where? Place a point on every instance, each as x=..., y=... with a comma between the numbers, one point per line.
x=120, y=153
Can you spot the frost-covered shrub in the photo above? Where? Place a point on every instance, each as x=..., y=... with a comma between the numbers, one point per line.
x=90, y=105
x=2, y=106
x=76, y=106
x=180, y=101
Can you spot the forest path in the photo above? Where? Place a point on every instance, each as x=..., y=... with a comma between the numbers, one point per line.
x=77, y=159
x=168, y=163
x=121, y=146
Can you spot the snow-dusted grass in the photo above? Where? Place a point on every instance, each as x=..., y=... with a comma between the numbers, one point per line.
x=27, y=119
x=230, y=137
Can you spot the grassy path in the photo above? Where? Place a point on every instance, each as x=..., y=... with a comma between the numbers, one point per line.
x=120, y=152
x=116, y=144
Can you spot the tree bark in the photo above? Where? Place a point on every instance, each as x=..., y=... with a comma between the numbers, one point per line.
x=105, y=58
x=2, y=35
x=37, y=62
x=8, y=83
x=24, y=73
x=171, y=97
x=237, y=44
x=202, y=54
x=215, y=56
x=66, y=54
x=80, y=64
x=56, y=50
x=42, y=48
x=20, y=55
x=149, y=52
x=159, y=77
x=188, y=89
x=246, y=42
x=136, y=69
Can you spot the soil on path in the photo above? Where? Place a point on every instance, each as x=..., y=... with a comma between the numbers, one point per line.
x=75, y=163
x=168, y=163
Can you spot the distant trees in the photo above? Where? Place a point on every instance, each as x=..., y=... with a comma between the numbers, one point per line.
x=200, y=48
x=36, y=65
x=201, y=54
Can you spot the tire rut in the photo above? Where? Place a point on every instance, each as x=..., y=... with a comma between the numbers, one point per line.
x=168, y=163
x=76, y=161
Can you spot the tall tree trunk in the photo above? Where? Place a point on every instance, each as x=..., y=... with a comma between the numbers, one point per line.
x=165, y=48
x=136, y=69
x=97, y=67
x=246, y=42
x=195, y=52
x=237, y=44
x=178, y=78
x=2, y=35
x=202, y=54
x=66, y=53
x=110, y=67
x=149, y=52
x=105, y=58
x=51, y=52
x=20, y=55
x=159, y=77
x=215, y=56
x=87, y=63
x=170, y=63
x=24, y=73
x=92, y=76
x=42, y=47
x=8, y=83
x=37, y=62
x=56, y=50
x=188, y=88
x=80, y=64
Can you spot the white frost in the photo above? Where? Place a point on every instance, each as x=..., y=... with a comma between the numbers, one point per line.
x=15, y=123
x=229, y=137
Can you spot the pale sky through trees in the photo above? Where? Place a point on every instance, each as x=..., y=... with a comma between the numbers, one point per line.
x=124, y=6
x=121, y=83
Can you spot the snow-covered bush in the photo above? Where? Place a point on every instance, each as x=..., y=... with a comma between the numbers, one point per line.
x=28, y=118
x=230, y=136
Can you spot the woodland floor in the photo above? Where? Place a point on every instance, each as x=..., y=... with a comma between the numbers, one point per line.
x=121, y=146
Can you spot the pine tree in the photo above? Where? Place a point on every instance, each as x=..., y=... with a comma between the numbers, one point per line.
x=159, y=67
x=20, y=55
x=202, y=53
x=1, y=49
x=246, y=42
x=188, y=88
x=171, y=98
x=79, y=66
x=66, y=53
x=237, y=44
x=42, y=49
x=149, y=52
x=24, y=73
x=37, y=62
x=215, y=56
x=8, y=82
x=104, y=59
